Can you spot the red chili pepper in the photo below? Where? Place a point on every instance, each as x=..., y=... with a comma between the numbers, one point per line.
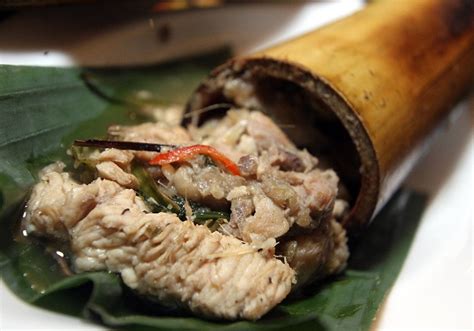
x=187, y=152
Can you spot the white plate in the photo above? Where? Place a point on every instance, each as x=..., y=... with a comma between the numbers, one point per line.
x=434, y=290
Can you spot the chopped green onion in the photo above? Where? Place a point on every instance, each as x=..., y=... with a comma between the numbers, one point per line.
x=153, y=193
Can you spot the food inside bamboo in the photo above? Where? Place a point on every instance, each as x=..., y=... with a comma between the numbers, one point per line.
x=224, y=218
x=389, y=74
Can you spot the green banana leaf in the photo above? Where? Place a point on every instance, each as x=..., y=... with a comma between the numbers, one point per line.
x=43, y=109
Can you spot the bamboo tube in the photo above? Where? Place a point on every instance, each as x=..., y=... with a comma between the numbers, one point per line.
x=389, y=73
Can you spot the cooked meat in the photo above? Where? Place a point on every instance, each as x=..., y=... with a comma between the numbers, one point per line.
x=265, y=132
x=248, y=165
x=204, y=183
x=241, y=207
x=110, y=228
x=284, y=195
x=316, y=254
x=120, y=157
x=110, y=170
x=339, y=253
x=242, y=92
x=316, y=189
x=228, y=135
x=289, y=161
x=281, y=196
x=284, y=187
x=267, y=219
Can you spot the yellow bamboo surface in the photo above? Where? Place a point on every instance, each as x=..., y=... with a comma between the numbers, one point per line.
x=396, y=68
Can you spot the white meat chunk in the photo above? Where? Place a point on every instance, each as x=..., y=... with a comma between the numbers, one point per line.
x=122, y=158
x=316, y=189
x=110, y=228
x=207, y=184
x=255, y=217
x=110, y=170
x=112, y=164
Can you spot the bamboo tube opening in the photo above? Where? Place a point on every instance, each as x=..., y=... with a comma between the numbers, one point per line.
x=375, y=84
x=311, y=113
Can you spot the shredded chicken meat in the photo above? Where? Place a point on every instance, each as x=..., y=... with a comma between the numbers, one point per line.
x=110, y=228
x=282, y=204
